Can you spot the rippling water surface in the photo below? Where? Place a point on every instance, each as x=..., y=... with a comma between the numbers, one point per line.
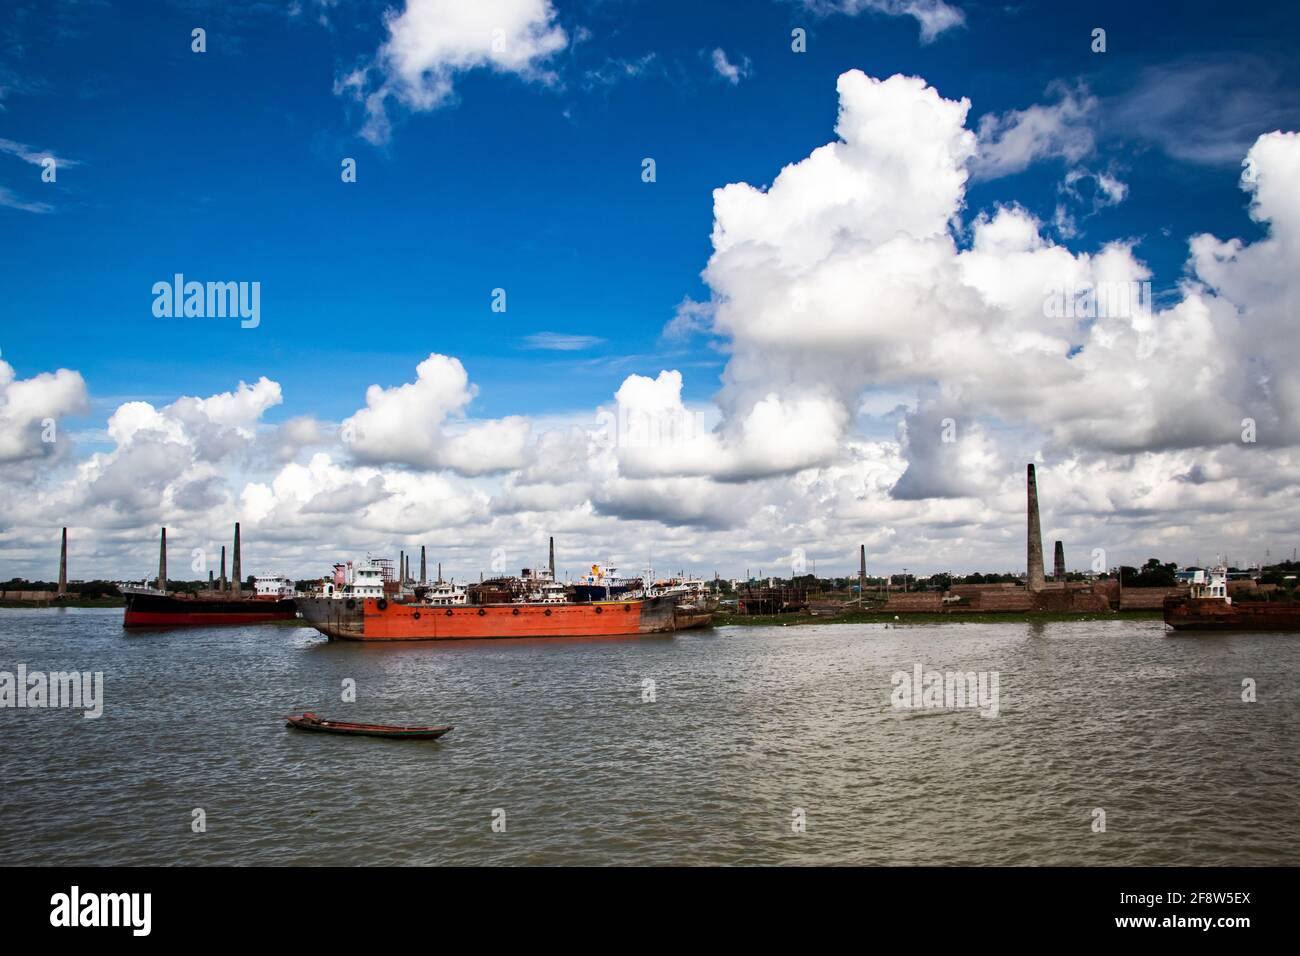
x=748, y=725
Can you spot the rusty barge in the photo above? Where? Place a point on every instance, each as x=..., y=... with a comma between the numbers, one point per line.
x=365, y=602
x=378, y=619
x=1209, y=607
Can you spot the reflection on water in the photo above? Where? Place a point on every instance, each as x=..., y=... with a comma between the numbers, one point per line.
x=746, y=727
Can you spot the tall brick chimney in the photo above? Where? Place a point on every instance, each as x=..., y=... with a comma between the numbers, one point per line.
x=162, y=562
x=236, y=567
x=552, y=559
x=862, y=574
x=424, y=578
x=63, y=566
x=1058, y=567
x=1035, y=578
x=223, y=568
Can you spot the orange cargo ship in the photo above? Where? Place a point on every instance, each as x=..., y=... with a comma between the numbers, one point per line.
x=378, y=619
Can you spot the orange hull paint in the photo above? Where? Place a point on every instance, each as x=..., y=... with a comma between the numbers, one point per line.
x=367, y=621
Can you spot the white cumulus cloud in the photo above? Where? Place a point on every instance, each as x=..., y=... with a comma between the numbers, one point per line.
x=431, y=41
x=420, y=424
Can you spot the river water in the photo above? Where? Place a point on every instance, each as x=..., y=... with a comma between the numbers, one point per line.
x=760, y=745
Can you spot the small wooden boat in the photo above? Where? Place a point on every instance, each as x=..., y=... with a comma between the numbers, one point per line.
x=310, y=721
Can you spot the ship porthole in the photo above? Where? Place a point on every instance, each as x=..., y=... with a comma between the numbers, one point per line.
x=416, y=615
x=599, y=609
x=515, y=612
x=627, y=608
x=351, y=603
x=481, y=612
x=382, y=604
x=449, y=612
x=548, y=612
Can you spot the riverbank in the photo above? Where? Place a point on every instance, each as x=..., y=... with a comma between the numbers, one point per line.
x=964, y=617
x=67, y=602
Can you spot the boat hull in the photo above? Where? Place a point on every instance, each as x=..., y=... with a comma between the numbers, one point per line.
x=168, y=610
x=315, y=724
x=367, y=621
x=1210, y=614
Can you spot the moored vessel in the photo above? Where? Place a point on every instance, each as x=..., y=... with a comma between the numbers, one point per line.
x=151, y=608
x=384, y=620
x=271, y=600
x=1209, y=607
x=603, y=584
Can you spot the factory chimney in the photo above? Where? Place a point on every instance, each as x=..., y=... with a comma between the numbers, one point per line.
x=162, y=562
x=63, y=565
x=552, y=559
x=1034, y=577
x=223, y=569
x=236, y=567
x=480, y=577
x=424, y=578
x=1058, y=565
x=862, y=573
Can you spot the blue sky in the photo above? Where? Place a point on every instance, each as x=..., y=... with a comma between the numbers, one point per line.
x=225, y=166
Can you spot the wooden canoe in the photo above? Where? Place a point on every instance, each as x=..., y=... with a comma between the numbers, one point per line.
x=310, y=721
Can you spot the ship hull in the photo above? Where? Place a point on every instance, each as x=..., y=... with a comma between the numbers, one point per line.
x=368, y=621
x=166, y=610
x=1202, y=614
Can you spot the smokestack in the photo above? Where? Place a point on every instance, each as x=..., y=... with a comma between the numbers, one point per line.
x=236, y=567
x=862, y=573
x=401, y=568
x=480, y=577
x=424, y=577
x=1034, y=578
x=63, y=565
x=162, y=562
x=209, y=579
x=223, y=568
x=552, y=559
x=1058, y=570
